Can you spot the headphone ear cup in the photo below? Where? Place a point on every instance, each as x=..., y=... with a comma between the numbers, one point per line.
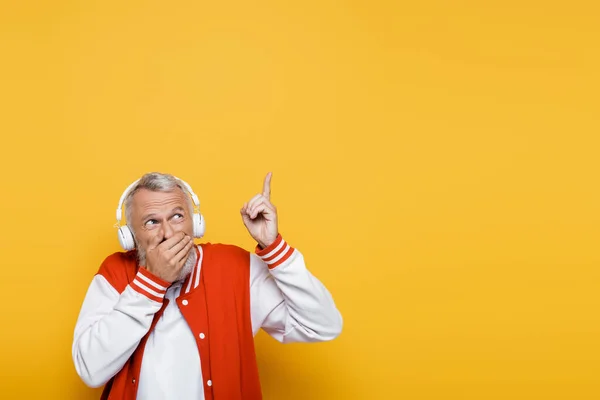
x=126, y=238
x=199, y=227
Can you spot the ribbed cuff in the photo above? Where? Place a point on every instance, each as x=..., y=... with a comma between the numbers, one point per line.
x=150, y=285
x=276, y=254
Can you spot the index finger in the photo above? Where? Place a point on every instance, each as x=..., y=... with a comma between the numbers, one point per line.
x=173, y=240
x=155, y=242
x=267, y=186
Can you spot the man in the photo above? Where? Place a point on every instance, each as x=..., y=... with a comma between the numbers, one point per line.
x=175, y=320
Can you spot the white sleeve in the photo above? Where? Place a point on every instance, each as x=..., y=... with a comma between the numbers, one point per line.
x=111, y=325
x=287, y=301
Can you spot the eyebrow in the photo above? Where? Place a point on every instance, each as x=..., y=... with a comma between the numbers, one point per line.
x=148, y=216
x=175, y=210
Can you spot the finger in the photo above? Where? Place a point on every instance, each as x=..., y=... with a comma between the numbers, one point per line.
x=155, y=242
x=183, y=253
x=262, y=208
x=255, y=200
x=172, y=252
x=173, y=240
x=256, y=210
x=267, y=186
x=261, y=202
x=245, y=216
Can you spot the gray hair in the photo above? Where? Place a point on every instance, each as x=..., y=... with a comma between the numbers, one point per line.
x=156, y=182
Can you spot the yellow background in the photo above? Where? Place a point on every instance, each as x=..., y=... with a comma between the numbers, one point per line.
x=436, y=162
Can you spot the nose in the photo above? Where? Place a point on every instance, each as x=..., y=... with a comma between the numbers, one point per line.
x=168, y=231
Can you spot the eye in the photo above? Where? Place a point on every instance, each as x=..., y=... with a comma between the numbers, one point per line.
x=150, y=223
x=177, y=216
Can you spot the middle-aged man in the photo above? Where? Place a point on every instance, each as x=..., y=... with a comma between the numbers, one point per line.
x=169, y=319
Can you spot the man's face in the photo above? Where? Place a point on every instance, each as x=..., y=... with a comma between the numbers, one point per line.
x=159, y=215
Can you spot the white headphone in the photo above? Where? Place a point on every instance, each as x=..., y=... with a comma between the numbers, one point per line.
x=126, y=236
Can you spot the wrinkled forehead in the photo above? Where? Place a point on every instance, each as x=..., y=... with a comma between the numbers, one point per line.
x=145, y=201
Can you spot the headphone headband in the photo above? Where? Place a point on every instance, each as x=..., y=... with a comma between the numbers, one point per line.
x=130, y=187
